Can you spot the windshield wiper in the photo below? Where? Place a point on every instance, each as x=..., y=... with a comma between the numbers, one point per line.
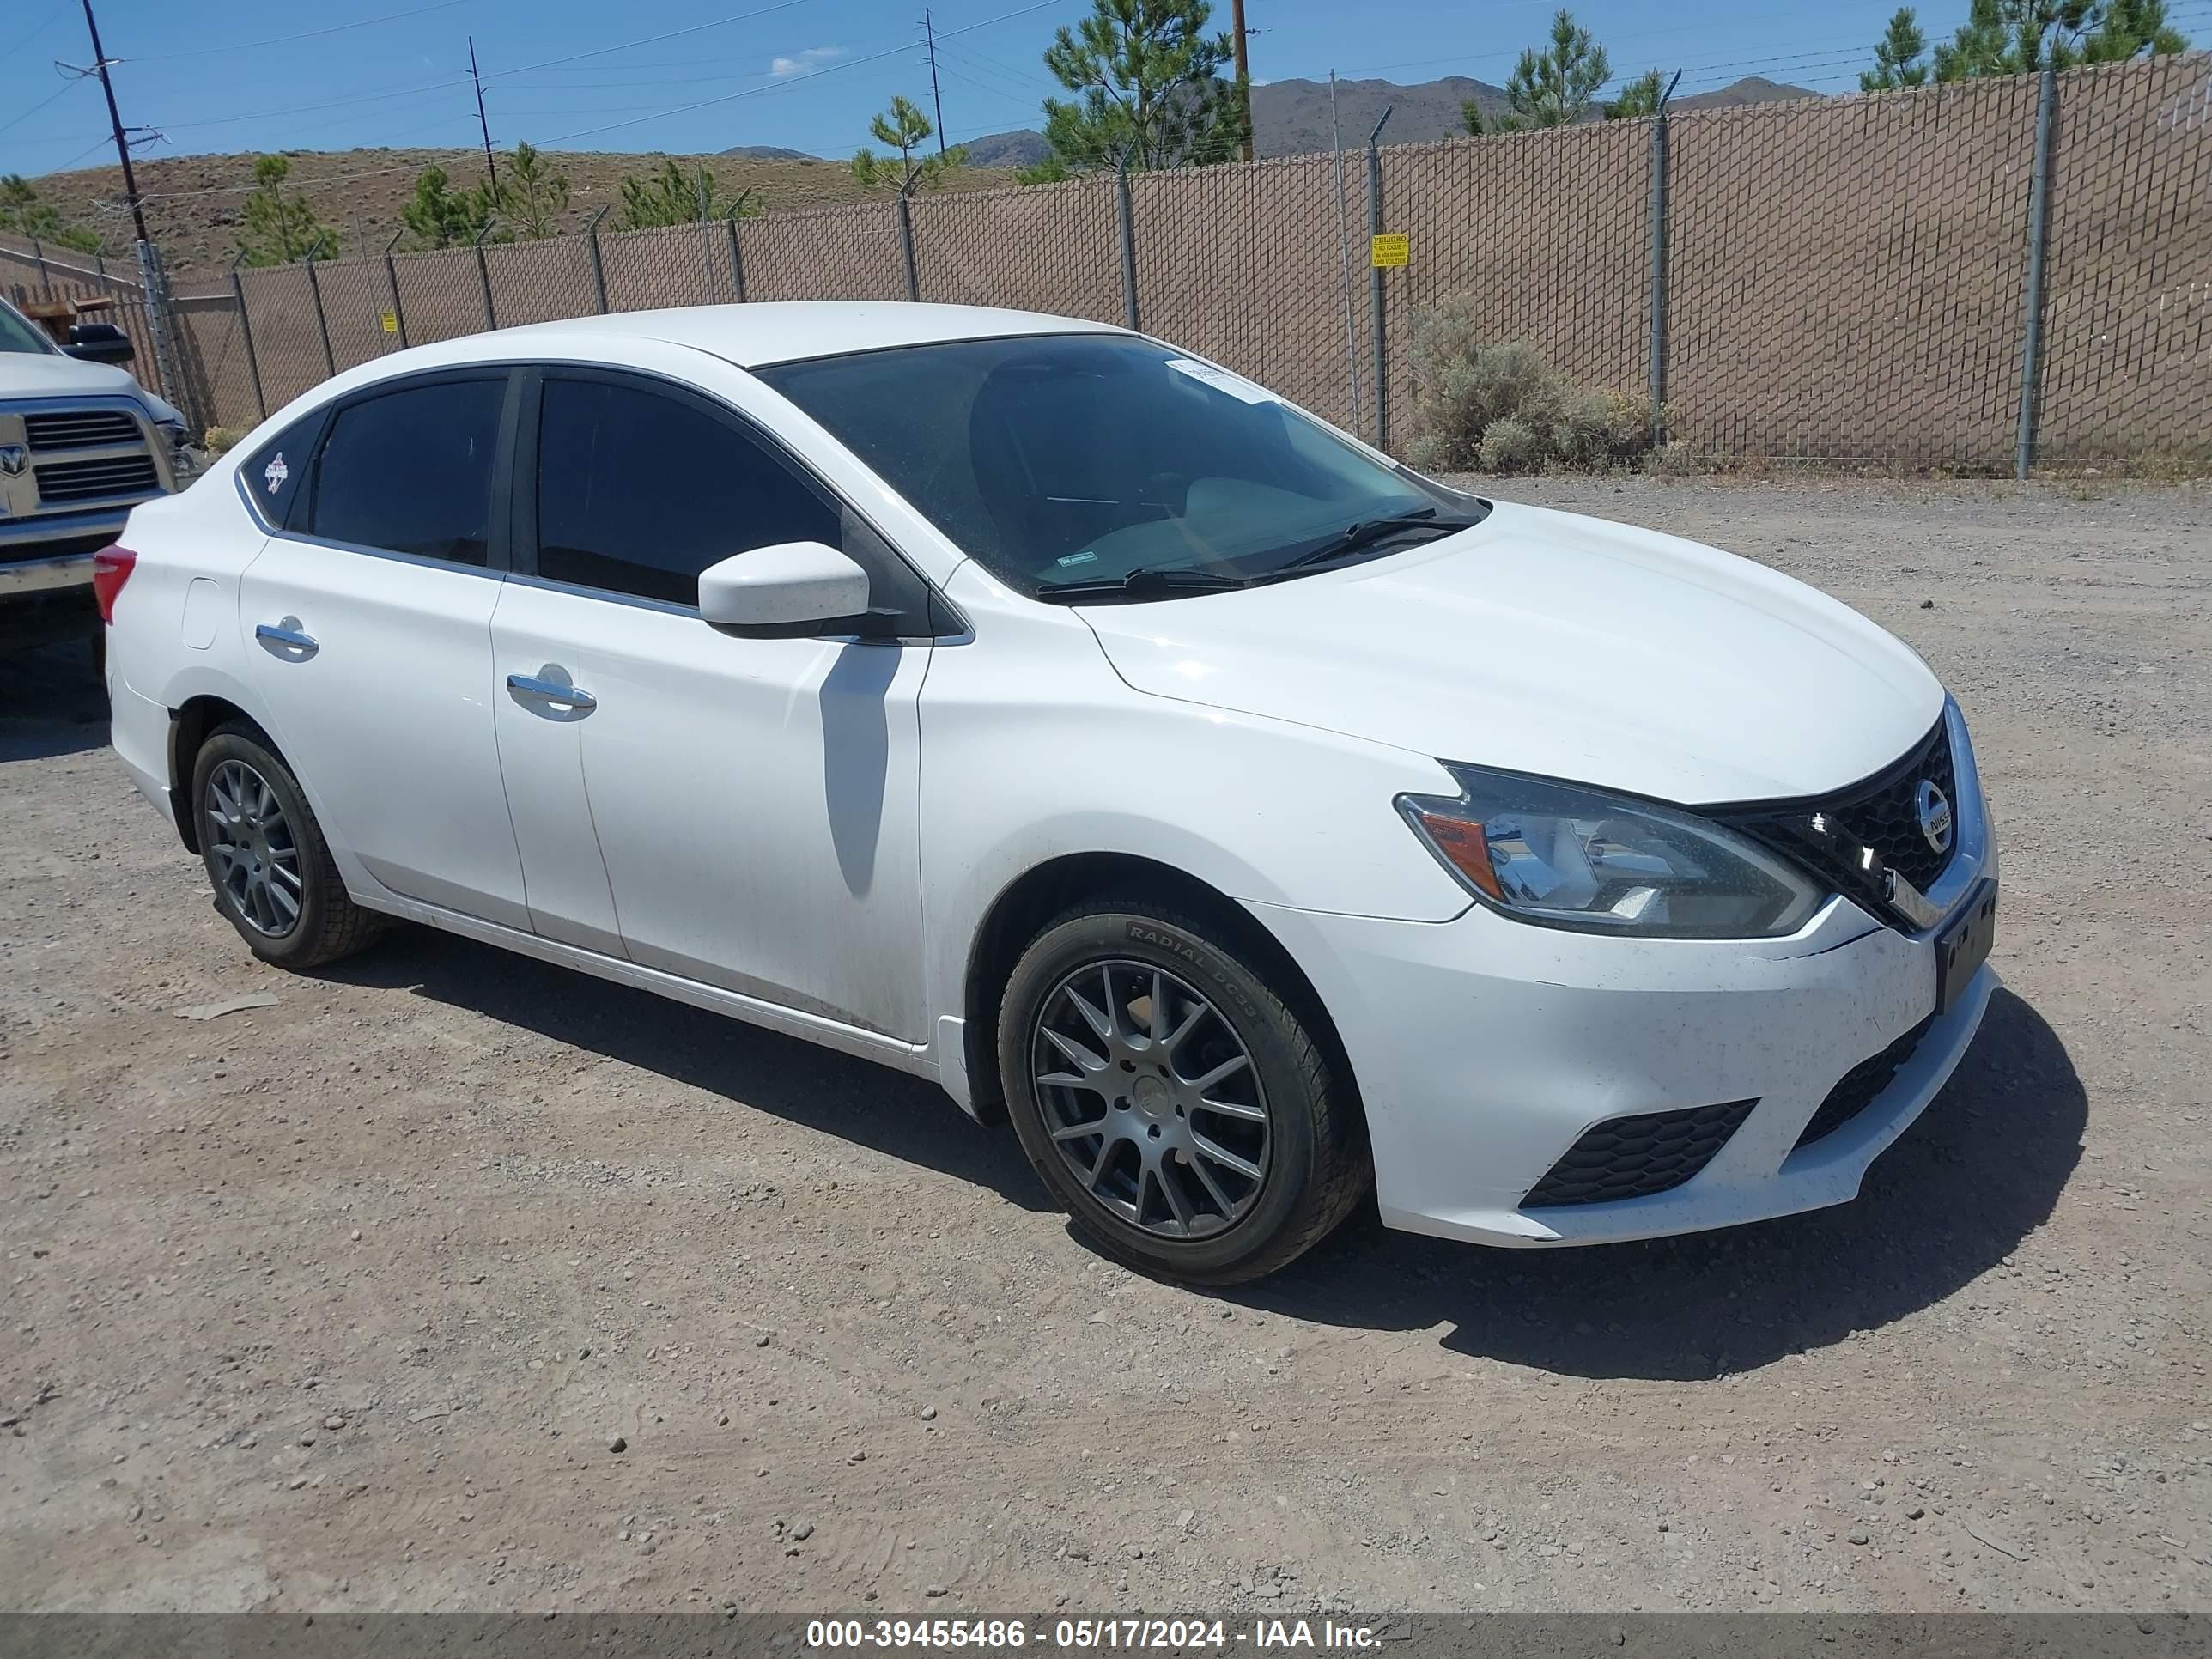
x=1169, y=579
x=1366, y=533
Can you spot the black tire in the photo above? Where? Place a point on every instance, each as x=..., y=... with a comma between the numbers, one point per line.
x=329, y=925
x=1316, y=1166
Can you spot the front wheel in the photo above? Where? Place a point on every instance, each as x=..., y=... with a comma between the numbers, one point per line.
x=1172, y=1100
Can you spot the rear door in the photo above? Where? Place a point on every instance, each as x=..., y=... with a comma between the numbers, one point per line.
x=367, y=624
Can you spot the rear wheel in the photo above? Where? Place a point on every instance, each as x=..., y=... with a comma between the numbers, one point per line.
x=1170, y=1098
x=274, y=879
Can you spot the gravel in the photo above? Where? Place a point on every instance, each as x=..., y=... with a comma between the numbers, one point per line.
x=2007, y=1330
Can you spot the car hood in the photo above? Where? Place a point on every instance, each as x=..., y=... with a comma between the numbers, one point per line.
x=1552, y=643
x=48, y=374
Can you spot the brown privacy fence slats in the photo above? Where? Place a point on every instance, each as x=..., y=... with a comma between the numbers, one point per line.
x=1844, y=278
x=1847, y=278
x=2128, y=312
x=1046, y=247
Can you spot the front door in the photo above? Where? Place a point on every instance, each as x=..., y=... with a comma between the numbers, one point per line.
x=367, y=624
x=754, y=802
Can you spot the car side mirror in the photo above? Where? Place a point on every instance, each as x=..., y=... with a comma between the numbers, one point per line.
x=99, y=343
x=791, y=590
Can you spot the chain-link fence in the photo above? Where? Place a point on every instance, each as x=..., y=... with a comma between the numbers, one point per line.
x=1837, y=279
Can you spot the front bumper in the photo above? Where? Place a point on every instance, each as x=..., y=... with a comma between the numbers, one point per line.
x=1486, y=1047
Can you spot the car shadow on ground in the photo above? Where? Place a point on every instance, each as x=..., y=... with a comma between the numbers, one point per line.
x=1981, y=1169
x=870, y=1105
x=52, y=702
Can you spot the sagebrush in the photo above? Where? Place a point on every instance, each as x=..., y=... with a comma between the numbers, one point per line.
x=1503, y=407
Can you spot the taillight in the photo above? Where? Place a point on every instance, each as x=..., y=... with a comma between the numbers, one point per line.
x=111, y=568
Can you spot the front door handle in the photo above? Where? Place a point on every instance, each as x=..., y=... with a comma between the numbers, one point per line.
x=552, y=691
x=287, y=635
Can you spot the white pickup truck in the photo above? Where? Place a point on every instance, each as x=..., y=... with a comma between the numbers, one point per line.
x=80, y=444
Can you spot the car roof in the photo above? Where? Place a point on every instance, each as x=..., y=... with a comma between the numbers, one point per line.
x=757, y=334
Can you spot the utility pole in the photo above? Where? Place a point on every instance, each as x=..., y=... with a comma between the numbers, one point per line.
x=483, y=125
x=936, y=98
x=115, y=119
x=1243, y=71
x=153, y=279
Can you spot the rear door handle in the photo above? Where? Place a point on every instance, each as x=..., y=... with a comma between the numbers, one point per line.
x=551, y=691
x=285, y=633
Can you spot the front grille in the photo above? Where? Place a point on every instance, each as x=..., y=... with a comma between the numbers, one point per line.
x=66, y=482
x=1881, y=814
x=1862, y=1084
x=79, y=428
x=1634, y=1157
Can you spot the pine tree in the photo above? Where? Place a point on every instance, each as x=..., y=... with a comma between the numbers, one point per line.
x=441, y=217
x=1552, y=88
x=1639, y=98
x=673, y=197
x=281, y=229
x=1897, y=56
x=533, y=197
x=905, y=128
x=1150, y=89
x=2019, y=37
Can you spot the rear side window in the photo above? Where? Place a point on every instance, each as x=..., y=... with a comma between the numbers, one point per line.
x=411, y=471
x=639, y=492
x=275, y=475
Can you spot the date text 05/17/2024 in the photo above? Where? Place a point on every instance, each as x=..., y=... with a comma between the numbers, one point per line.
x=1170, y=1635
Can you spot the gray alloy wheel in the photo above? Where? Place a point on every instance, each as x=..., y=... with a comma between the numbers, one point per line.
x=274, y=879
x=251, y=848
x=1151, y=1099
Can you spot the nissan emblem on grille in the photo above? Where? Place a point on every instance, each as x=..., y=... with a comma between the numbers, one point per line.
x=14, y=458
x=1935, y=814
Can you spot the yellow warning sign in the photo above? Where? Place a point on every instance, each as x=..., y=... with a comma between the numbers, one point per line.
x=389, y=321
x=1389, y=250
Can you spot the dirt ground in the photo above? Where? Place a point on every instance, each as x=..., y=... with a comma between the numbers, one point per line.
x=342, y=1303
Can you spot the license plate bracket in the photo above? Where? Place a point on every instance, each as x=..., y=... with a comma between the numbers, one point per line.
x=1964, y=943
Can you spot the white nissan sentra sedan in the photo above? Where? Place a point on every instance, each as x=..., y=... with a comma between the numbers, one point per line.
x=1028, y=705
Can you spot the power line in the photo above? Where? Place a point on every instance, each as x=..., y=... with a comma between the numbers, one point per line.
x=286, y=39
x=650, y=39
x=750, y=91
x=446, y=85
x=23, y=40
x=68, y=85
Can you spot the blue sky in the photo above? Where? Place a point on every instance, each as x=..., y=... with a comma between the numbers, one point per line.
x=338, y=74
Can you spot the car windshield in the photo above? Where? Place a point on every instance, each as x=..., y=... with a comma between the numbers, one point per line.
x=18, y=333
x=1084, y=462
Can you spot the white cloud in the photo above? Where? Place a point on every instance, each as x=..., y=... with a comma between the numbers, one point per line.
x=805, y=63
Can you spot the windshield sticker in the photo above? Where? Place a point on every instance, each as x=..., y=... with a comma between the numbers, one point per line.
x=1083, y=557
x=277, y=472
x=1222, y=380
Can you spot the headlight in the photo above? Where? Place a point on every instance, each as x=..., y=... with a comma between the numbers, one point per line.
x=1565, y=856
x=181, y=463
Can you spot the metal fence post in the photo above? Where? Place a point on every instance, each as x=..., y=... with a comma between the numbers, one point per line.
x=1375, y=284
x=736, y=254
x=154, y=283
x=2031, y=345
x=322, y=323
x=1660, y=162
x=906, y=246
x=38, y=259
x=705, y=236
x=391, y=277
x=483, y=276
x=1128, y=218
x=245, y=333
x=599, y=269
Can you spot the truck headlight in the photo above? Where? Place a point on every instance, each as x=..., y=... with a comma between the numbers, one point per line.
x=181, y=463
x=1565, y=856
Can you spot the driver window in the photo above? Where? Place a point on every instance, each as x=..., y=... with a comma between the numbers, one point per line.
x=638, y=492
